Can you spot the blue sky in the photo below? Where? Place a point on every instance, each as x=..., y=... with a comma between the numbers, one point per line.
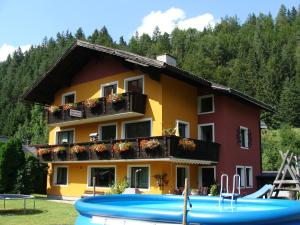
x=24, y=23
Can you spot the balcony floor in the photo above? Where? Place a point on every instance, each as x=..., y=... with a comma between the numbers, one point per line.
x=118, y=116
x=168, y=159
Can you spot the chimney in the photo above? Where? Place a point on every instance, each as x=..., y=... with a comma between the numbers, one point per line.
x=166, y=58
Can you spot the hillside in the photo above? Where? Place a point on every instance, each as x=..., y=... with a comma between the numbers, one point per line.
x=260, y=57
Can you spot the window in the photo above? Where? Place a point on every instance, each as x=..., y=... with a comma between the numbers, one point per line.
x=207, y=176
x=181, y=174
x=246, y=175
x=206, y=104
x=183, y=128
x=249, y=176
x=61, y=175
x=137, y=129
x=105, y=176
x=240, y=171
x=135, y=84
x=107, y=89
x=244, y=137
x=139, y=177
x=108, y=132
x=65, y=137
x=206, y=132
x=68, y=98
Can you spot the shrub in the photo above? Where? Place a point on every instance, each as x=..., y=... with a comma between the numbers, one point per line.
x=31, y=177
x=11, y=161
x=214, y=190
x=119, y=187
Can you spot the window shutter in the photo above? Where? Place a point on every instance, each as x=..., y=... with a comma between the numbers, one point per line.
x=249, y=138
x=238, y=136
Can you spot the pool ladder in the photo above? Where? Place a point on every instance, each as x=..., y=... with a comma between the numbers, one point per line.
x=227, y=195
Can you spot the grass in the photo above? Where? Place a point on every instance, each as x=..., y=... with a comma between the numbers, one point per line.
x=45, y=213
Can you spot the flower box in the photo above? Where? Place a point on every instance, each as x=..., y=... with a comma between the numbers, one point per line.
x=79, y=152
x=124, y=149
x=61, y=152
x=186, y=144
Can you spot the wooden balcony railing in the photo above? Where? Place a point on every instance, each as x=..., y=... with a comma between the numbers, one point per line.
x=132, y=103
x=166, y=146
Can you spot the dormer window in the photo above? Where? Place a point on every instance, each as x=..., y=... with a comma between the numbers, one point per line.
x=68, y=98
x=135, y=84
x=206, y=104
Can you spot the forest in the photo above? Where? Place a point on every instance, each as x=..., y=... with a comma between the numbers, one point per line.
x=259, y=57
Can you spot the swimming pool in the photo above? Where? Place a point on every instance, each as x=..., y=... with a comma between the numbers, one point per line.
x=167, y=209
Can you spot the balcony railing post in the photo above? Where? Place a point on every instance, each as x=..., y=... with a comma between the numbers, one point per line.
x=129, y=103
x=104, y=105
x=138, y=148
x=165, y=148
x=112, y=150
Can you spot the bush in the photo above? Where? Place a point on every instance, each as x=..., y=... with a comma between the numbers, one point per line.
x=20, y=174
x=119, y=187
x=30, y=178
x=12, y=160
x=214, y=190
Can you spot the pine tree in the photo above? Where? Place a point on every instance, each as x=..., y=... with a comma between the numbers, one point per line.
x=80, y=34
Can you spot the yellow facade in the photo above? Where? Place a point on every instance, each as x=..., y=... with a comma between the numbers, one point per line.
x=78, y=177
x=168, y=100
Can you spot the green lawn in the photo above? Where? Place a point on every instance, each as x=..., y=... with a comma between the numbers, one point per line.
x=45, y=213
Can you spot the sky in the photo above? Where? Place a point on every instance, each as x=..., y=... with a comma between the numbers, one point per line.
x=26, y=23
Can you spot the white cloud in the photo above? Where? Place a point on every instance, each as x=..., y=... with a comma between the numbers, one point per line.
x=198, y=22
x=6, y=49
x=174, y=17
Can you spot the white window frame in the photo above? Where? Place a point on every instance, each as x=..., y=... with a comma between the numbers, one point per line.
x=250, y=178
x=200, y=174
x=187, y=128
x=129, y=167
x=247, y=138
x=102, y=86
x=66, y=94
x=204, y=125
x=55, y=176
x=136, y=121
x=187, y=167
x=242, y=175
x=60, y=130
x=89, y=169
x=199, y=104
x=106, y=124
x=134, y=78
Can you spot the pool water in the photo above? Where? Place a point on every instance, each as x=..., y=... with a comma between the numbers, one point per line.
x=167, y=209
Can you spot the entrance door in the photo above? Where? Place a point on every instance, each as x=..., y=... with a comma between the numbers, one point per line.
x=207, y=176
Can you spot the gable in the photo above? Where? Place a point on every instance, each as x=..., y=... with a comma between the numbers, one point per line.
x=97, y=69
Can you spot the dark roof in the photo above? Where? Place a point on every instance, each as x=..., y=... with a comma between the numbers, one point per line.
x=81, y=52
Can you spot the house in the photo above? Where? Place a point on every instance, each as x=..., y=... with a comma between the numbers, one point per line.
x=111, y=113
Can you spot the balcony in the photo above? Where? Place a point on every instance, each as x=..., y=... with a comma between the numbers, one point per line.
x=125, y=149
x=129, y=105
